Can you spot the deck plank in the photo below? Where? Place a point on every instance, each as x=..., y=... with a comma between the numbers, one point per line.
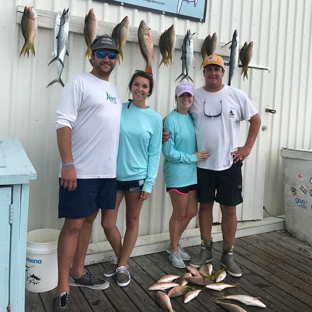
x=276, y=267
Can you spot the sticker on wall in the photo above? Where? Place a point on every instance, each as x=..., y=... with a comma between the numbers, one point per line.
x=300, y=177
x=301, y=203
x=303, y=189
x=293, y=190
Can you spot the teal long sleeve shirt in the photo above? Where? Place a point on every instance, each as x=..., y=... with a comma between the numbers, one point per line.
x=139, y=145
x=179, y=151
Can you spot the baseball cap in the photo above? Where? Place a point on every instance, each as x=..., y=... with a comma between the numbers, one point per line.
x=214, y=59
x=184, y=87
x=104, y=43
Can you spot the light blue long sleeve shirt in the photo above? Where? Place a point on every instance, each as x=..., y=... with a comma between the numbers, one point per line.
x=139, y=145
x=179, y=151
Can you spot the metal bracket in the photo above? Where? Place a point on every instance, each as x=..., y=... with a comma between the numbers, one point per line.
x=269, y=110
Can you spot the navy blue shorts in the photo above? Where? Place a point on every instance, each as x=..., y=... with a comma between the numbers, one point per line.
x=90, y=195
x=183, y=190
x=130, y=186
x=224, y=187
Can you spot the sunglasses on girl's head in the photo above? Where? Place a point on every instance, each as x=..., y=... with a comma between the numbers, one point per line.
x=102, y=54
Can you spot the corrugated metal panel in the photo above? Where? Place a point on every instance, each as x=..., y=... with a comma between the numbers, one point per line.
x=281, y=32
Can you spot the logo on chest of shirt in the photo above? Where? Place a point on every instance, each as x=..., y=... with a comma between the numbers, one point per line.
x=231, y=114
x=113, y=100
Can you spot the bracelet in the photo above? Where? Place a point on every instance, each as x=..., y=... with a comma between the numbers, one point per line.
x=68, y=164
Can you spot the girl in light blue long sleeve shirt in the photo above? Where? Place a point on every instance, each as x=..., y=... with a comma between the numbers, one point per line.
x=137, y=167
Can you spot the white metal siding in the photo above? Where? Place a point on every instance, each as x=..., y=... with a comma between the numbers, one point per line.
x=281, y=31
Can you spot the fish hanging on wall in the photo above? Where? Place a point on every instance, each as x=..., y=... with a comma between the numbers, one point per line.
x=146, y=45
x=166, y=45
x=90, y=30
x=187, y=56
x=29, y=25
x=120, y=34
x=60, y=52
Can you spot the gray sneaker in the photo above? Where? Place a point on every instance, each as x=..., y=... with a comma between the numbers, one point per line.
x=111, y=268
x=88, y=281
x=61, y=303
x=227, y=261
x=176, y=260
x=123, y=276
x=204, y=256
x=184, y=255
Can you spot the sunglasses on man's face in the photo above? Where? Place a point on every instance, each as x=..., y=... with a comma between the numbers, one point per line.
x=102, y=54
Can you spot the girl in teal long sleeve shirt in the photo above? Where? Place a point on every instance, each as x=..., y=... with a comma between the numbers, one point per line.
x=180, y=170
x=137, y=166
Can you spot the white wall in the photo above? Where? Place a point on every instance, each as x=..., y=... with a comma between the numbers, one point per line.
x=281, y=31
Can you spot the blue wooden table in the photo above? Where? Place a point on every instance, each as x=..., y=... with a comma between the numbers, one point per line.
x=16, y=171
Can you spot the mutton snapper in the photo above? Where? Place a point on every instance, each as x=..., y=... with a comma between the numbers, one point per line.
x=146, y=45
x=29, y=25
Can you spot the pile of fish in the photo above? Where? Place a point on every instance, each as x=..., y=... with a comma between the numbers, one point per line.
x=192, y=283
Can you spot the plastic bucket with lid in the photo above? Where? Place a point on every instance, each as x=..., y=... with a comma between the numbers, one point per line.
x=41, y=260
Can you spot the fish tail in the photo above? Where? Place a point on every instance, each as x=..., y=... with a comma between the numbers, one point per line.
x=149, y=68
x=26, y=47
x=59, y=80
x=180, y=77
x=57, y=59
x=88, y=52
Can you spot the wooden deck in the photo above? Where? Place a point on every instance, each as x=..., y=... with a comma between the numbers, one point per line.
x=276, y=268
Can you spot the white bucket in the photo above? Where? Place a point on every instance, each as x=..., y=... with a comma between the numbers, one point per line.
x=41, y=260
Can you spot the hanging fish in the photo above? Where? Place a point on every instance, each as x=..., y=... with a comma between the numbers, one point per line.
x=62, y=37
x=213, y=45
x=164, y=301
x=63, y=54
x=187, y=56
x=242, y=53
x=146, y=45
x=204, y=48
x=90, y=30
x=120, y=34
x=166, y=45
x=247, y=58
x=233, y=64
x=29, y=25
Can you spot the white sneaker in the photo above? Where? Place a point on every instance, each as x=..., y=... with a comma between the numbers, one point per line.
x=176, y=260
